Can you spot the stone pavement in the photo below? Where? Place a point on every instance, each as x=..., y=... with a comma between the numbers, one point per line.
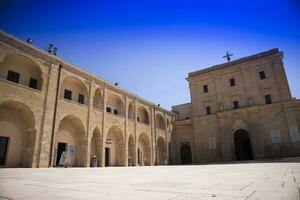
x=270, y=181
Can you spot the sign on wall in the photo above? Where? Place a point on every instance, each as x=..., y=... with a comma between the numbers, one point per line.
x=212, y=143
x=275, y=136
x=294, y=133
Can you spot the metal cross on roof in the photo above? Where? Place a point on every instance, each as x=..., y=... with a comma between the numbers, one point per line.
x=228, y=56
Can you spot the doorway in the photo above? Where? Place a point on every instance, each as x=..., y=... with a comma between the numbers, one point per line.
x=61, y=147
x=3, y=149
x=242, y=145
x=107, y=156
x=185, y=154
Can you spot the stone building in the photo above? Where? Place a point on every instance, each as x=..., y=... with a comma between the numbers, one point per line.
x=239, y=110
x=49, y=107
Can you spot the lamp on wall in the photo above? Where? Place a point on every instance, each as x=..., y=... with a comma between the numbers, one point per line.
x=29, y=40
x=116, y=83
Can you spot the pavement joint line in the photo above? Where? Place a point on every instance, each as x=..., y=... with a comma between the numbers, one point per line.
x=247, y=185
x=250, y=195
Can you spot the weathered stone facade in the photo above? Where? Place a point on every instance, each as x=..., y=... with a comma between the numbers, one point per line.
x=49, y=106
x=239, y=110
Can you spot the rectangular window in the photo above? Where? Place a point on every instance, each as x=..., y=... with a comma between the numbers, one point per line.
x=81, y=98
x=268, y=99
x=275, y=136
x=108, y=109
x=208, y=111
x=138, y=119
x=13, y=76
x=33, y=83
x=212, y=143
x=236, y=104
x=68, y=94
x=115, y=111
x=232, y=82
x=262, y=75
x=205, y=88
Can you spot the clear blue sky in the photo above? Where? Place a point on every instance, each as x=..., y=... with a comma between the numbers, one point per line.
x=150, y=46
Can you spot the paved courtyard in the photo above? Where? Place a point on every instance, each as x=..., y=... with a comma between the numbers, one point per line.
x=270, y=181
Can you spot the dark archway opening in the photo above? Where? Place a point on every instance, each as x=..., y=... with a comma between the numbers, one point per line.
x=242, y=144
x=185, y=154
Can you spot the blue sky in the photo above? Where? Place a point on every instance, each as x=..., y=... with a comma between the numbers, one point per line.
x=150, y=46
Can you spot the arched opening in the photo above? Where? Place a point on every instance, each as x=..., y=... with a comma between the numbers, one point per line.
x=144, y=150
x=160, y=122
x=130, y=112
x=131, y=151
x=17, y=135
x=115, y=105
x=114, y=147
x=74, y=89
x=242, y=145
x=142, y=115
x=185, y=154
x=96, y=144
x=97, y=99
x=161, y=152
x=21, y=70
x=70, y=143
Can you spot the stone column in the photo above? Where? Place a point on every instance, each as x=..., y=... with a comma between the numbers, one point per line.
x=126, y=130
x=89, y=124
x=153, y=136
x=135, y=134
x=102, y=150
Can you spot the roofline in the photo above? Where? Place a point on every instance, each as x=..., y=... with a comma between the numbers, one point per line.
x=235, y=62
x=66, y=63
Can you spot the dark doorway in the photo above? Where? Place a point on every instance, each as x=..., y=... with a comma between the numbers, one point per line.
x=106, y=156
x=61, y=147
x=185, y=154
x=242, y=145
x=3, y=149
x=139, y=157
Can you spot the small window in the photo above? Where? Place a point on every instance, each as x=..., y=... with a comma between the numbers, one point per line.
x=262, y=75
x=108, y=109
x=208, y=111
x=13, y=76
x=115, y=111
x=268, y=99
x=33, y=83
x=68, y=94
x=232, y=82
x=138, y=119
x=205, y=88
x=81, y=98
x=236, y=104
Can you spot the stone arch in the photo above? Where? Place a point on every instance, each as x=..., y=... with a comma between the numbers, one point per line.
x=130, y=111
x=115, y=105
x=143, y=115
x=70, y=138
x=185, y=153
x=144, y=150
x=131, y=151
x=239, y=124
x=97, y=99
x=30, y=74
x=160, y=121
x=161, y=151
x=96, y=144
x=77, y=88
x=115, y=147
x=17, y=135
x=242, y=145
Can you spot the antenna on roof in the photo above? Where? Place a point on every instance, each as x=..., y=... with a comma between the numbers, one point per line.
x=51, y=49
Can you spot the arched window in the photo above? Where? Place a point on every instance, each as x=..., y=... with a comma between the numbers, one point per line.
x=160, y=122
x=115, y=105
x=97, y=99
x=142, y=115
x=22, y=70
x=74, y=90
